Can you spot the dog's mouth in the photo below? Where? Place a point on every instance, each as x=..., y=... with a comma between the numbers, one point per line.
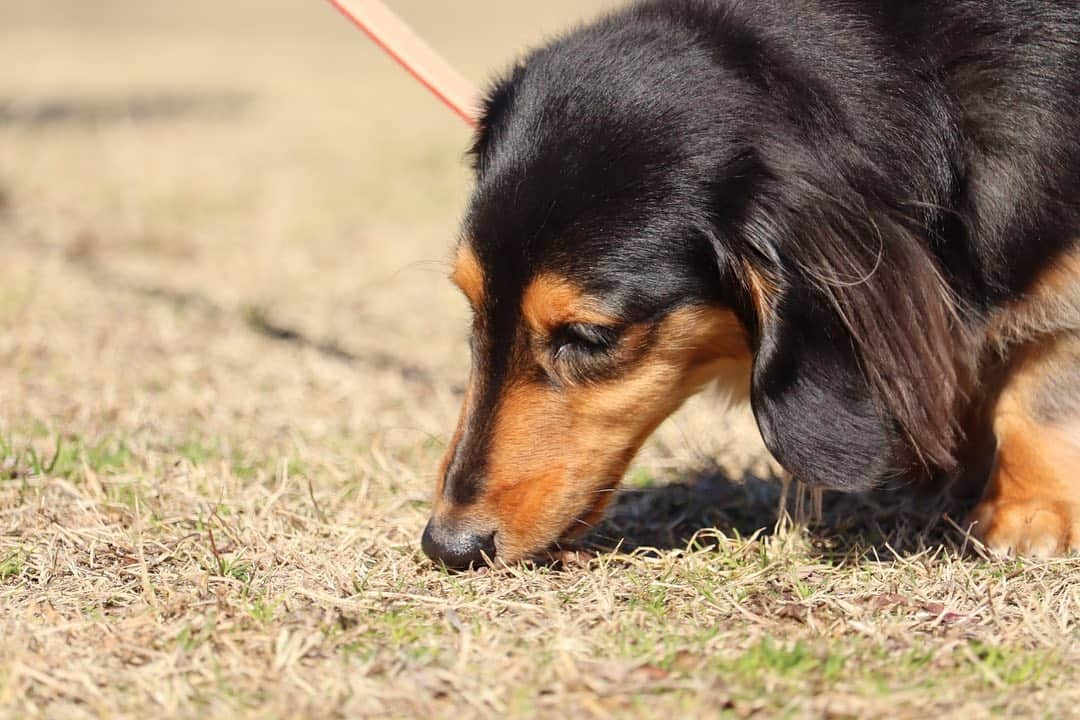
x=510, y=549
x=568, y=541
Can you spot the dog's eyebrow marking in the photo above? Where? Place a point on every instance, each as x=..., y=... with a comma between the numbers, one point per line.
x=468, y=274
x=550, y=301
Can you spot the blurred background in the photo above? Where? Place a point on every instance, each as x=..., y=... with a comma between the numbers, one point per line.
x=232, y=166
x=233, y=220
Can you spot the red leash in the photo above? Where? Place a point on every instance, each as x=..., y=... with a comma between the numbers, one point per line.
x=393, y=35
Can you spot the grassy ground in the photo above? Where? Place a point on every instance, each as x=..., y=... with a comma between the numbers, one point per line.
x=228, y=363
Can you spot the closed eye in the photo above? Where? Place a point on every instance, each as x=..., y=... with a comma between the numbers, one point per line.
x=578, y=341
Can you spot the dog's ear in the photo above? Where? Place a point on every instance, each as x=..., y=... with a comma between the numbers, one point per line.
x=857, y=368
x=814, y=407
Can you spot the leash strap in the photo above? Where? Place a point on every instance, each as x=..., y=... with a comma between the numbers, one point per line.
x=409, y=50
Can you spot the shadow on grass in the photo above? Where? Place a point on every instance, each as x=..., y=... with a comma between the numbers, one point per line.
x=151, y=107
x=876, y=524
x=255, y=318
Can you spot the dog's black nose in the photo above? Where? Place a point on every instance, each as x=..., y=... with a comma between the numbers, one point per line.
x=456, y=548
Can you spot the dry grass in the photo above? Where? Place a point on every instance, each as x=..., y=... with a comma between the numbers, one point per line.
x=228, y=361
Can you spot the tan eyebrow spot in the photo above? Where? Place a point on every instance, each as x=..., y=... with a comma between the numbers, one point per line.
x=550, y=301
x=468, y=274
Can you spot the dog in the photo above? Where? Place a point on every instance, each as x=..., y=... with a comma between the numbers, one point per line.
x=863, y=215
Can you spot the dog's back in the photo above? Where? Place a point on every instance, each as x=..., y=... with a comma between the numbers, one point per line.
x=971, y=107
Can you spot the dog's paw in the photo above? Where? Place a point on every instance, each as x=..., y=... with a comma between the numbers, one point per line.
x=1032, y=528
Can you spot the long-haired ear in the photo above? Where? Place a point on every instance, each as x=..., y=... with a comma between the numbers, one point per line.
x=858, y=367
x=815, y=409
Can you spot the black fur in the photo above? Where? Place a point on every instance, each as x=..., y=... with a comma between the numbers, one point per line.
x=898, y=170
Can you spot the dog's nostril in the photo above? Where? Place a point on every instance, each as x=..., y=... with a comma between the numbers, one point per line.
x=457, y=549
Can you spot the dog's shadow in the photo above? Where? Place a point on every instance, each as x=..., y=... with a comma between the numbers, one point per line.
x=874, y=525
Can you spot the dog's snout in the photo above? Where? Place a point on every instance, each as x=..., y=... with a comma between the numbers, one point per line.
x=457, y=548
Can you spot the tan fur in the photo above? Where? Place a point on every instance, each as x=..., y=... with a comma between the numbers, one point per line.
x=762, y=291
x=1031, y=505
x=468, y=274
x=550, y=301
x=559, y=448
x=1052, y=305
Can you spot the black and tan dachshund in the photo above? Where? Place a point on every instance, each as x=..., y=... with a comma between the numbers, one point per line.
x=864, y=214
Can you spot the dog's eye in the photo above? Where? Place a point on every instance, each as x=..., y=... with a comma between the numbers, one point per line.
x=582, y=340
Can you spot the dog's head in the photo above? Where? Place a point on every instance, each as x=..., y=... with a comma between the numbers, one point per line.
x=646, y=220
